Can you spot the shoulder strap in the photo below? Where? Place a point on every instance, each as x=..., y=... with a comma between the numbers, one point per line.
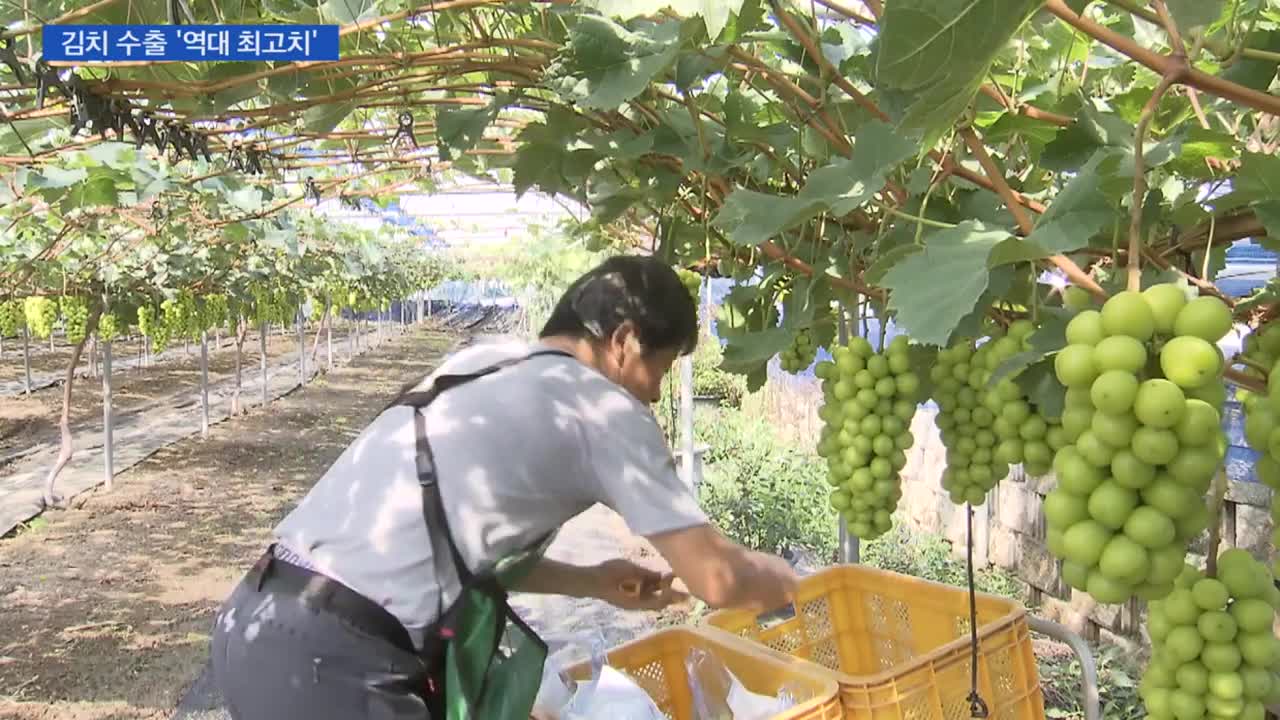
x=432, y=504
x=424, y=397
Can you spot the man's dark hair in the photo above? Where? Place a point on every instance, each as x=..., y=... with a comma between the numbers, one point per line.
x=639, y=288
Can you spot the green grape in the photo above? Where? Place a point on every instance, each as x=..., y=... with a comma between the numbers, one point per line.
x=317, y=309
x=41, y=313
x=216, y=311
x=800, y=355
x=1144, y=446
x=1212, y=641
x=75, y=315
x=12, y=319
x=108, y=327
x=692, y=281
x=865, y=436
x=979, y=431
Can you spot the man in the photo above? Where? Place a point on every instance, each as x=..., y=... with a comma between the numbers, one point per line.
x=384, y=595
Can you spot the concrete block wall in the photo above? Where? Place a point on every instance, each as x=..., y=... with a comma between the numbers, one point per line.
x=1009, y=532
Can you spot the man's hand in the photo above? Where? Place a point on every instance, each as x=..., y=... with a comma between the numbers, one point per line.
x=629, y=586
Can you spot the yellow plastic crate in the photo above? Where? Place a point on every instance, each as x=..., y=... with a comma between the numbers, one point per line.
x=899, y=647
x=656, y=662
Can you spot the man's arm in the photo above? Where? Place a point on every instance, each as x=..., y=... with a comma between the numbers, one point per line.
x=724, y=574
x=552, y=577
x=619, y=582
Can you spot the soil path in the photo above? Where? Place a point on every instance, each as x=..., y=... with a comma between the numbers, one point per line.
x=107, y=607
x=153, y=407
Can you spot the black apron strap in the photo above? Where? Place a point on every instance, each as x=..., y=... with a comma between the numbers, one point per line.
x=432, y=503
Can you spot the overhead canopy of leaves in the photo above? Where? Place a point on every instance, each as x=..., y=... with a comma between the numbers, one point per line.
x=802, y=139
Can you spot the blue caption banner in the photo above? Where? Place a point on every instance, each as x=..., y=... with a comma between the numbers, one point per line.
x=189, y=43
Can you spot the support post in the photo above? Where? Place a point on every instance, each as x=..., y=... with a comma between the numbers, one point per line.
x=262, y=346
x=26, y=360
x=686, y=420
x=850, y=549
x=204, y=383
x=302, y=351
x=108, y=442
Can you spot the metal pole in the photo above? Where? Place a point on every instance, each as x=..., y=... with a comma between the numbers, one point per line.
x=302, y=351
x=328, y=331
x=108, y=444
x=686, y=420
x=262, y=345
x=26, y=360
x=850, y=550
x=204, y=383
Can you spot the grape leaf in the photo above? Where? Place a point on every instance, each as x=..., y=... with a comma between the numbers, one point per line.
x=1256, y=73
x=937, y=53
x=346, y=12
x=115, y=155
x=743, y=353
x=1048, y=338
x=933, y=290
x=1259, y=176
x=749, y=217
x=97, y=191
x=617, y=64
x=51, y=177
x=1079, y=212
x=1041, y=386
x=715, y=13
x=460, y=130
x=324, y=118
x=1188, y=14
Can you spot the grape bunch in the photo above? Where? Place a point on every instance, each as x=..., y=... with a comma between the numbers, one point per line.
x=41, y=313
x=800, y=355
x=1144, y=395
x=1024, y=434
x=12, y=319
x=214, y=312
x=985, y=428
x=692, y=281
x=317, y=309
x=75, y=315
x=108, y=327
x=1214, y=653
x=870, y=399
x=271, y=307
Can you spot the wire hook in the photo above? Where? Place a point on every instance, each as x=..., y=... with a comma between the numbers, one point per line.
x=405, y=130
x=312, y=191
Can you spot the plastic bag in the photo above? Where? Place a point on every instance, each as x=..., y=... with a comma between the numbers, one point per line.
x=607, y=694
x=718, y=695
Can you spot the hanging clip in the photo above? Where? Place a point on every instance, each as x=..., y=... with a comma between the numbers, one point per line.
x=47, y=77
x=977, y=708
x=312, y=191
x=9, y=57
x=405, y=131
x=254, y=162
x=202, y=144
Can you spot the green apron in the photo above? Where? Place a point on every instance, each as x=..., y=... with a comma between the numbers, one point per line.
x=485, y=663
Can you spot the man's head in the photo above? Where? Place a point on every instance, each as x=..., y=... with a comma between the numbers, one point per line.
x=630, y=318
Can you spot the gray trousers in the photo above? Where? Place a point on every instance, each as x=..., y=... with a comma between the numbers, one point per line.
x=281, y=650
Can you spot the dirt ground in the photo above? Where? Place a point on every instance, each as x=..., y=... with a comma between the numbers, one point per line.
x=106, y=608
x=33, y=421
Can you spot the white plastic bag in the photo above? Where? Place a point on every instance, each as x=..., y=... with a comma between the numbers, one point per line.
x=607, y=694
x=718, y=695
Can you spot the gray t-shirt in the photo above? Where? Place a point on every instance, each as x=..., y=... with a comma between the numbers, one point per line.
x=518, y=452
